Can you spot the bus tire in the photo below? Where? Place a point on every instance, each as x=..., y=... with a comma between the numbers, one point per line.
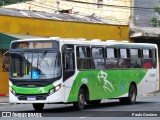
x=38, y=106
x=132, y=94
x=79, y=105
x=131, y=99
x=94, y=102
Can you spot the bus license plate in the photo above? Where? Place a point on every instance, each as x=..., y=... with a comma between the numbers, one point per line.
x=31, y=98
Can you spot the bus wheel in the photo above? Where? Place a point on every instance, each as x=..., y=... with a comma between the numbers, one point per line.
x=132, y=94
x=131, y=99
x=81, y=100
x=38, y=106
x=94, y=102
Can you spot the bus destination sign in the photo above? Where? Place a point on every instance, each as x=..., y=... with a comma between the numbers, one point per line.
x=34, y=45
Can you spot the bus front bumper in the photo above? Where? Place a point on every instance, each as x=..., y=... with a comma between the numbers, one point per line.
x=54, y=98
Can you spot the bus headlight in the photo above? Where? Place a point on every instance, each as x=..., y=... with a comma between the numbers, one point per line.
x=55, y=89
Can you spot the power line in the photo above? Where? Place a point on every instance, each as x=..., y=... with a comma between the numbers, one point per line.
x=79, y=7
x=111, y=19
x=129, y=7
x=147, y=9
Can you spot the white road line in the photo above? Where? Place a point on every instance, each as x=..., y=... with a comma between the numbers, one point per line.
x=85, y=116
x=20, y=105
x=132, y=106
x=156, y=104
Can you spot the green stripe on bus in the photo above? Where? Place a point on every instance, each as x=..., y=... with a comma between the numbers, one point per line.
x=37, y=90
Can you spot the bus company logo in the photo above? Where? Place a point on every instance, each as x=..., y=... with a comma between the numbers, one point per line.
x=107, y=85
x=6, y=114
x=152, y=74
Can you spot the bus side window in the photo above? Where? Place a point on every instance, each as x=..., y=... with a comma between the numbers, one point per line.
x=135, y=58
x=83, y=57
x=111, y=58
x=154, y=57
x=147, y=58
x=124, y=60
x=98, y=58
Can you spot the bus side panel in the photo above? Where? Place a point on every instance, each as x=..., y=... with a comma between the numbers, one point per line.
x=148, y=83
x=103, y=84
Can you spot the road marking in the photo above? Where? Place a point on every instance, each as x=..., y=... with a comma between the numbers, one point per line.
x=156, y=104
x=132, y=106
x=85, y=116
x=20, y=105
x=17, y=106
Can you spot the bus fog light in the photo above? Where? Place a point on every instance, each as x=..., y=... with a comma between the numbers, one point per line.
x=51, y=92
x=13, y=91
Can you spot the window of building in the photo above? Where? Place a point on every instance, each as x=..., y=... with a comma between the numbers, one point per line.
x=111, y=58
x=83, y=57
x=147, y=58
x=99, y=3
x=98, y=58
x=135, y=58
x=124, y=60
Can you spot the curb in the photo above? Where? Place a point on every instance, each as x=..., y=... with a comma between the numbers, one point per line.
x=4, y=95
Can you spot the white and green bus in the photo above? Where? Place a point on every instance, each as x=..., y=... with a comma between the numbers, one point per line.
x=79, y=71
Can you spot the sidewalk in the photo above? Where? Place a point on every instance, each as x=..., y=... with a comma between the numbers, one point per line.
x=157, y=93
x=4, y=99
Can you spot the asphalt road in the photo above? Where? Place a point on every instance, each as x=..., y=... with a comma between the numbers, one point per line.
x=111, y=108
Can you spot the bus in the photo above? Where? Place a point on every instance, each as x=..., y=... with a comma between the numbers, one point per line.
x=79, y=71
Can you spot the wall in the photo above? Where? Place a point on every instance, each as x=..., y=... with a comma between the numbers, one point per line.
x=42, y=27
x=111, y=10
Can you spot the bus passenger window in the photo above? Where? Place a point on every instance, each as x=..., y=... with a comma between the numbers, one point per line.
x=147, y=59
x=83, y=57
x=111, y=58
x=135, y=58
x=98, y=58
x=124, y=60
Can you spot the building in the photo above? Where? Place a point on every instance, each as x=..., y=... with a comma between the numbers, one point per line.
x=117, y=11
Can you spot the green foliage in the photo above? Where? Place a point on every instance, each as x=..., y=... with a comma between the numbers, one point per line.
x=154, y=21
x=8, y=2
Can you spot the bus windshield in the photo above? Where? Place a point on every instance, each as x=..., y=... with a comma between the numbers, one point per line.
x=37, y=65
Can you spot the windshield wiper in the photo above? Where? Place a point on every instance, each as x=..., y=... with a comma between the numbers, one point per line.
x=42, y=57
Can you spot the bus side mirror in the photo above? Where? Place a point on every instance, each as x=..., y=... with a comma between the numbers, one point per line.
x=4, y=62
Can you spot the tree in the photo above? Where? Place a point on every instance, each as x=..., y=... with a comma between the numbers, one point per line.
x=154, y=20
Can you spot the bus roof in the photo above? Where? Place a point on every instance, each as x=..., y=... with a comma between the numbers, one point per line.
x=97, y=42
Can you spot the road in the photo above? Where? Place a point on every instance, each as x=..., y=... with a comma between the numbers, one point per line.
x=110, y=108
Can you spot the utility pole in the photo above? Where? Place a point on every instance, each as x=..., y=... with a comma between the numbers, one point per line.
x=58, y=2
